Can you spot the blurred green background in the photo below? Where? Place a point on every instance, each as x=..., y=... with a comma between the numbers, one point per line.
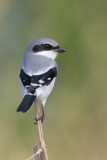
x=75, y=127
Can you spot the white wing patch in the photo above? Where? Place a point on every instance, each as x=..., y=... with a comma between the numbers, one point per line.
x=41, y=81
x=49, y=78
x=34, y=84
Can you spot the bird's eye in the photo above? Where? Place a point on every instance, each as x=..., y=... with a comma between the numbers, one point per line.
x=48, y=46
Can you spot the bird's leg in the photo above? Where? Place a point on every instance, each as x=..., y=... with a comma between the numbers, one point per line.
x=41, y=117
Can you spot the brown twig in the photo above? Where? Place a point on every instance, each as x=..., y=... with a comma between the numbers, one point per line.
x=43, y=154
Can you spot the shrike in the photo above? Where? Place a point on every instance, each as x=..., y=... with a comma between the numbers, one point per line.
x=38, y=72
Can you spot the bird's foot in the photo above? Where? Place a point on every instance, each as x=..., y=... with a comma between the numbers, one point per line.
x=41, y=118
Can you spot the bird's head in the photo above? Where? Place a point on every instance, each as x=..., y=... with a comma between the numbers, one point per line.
x=45, y=47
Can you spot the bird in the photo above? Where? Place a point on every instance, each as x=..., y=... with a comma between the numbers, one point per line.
x=38, y=73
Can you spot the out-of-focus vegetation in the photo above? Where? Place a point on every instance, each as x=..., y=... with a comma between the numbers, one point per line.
x=76, y=112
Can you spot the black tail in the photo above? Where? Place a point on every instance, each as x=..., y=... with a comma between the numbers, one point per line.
x=26, y=103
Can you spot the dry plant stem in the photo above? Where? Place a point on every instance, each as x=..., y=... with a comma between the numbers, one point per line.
x=37, y=156
x=43, y=155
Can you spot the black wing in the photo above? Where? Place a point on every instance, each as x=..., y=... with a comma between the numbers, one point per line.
x=35, y=81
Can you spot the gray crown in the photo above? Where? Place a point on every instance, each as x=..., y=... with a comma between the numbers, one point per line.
x=43, y=41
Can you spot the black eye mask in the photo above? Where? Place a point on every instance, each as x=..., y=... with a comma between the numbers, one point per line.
x=43, y=47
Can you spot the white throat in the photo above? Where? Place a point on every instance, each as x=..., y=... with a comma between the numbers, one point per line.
x=49, y=54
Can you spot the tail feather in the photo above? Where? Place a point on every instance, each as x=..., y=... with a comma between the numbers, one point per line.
x=26, y=103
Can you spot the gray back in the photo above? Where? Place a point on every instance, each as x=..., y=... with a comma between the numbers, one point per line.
x=37, y=64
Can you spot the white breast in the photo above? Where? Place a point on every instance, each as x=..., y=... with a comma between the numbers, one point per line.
x=44, y=91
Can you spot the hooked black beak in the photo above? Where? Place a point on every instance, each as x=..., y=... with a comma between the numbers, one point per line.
x=60, y=49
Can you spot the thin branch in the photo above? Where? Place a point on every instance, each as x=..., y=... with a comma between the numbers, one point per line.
x=38, y=152
x=43, y=154
x=37, y=157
